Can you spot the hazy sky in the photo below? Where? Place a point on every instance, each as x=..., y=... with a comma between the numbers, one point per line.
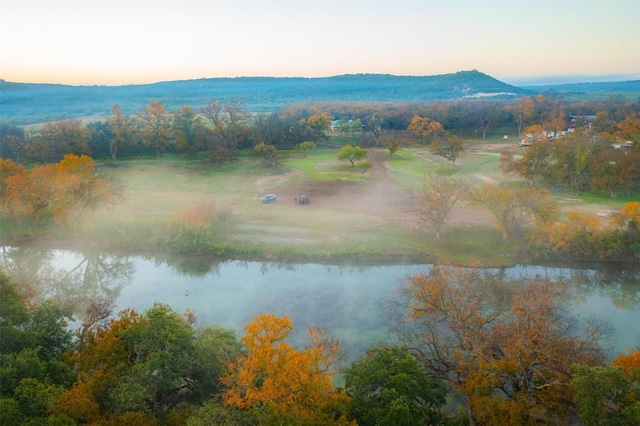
x=144, y=41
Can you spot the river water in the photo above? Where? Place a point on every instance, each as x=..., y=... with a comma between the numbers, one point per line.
x=347, y=300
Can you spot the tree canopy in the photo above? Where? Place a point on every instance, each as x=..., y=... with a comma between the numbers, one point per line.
x=507, y=346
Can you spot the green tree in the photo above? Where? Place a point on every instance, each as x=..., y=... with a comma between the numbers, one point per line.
x=153, y=366
x=100, y=134
x=388, y=387
x=572, y=156
x=161, y=348
x=32, y=371
x=352, y=154
x=364, y=166
x=14, y=316
x=305, y=147
x=609, y=395
x=266, y=152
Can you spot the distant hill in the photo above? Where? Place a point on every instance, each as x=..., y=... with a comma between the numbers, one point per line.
x=24, y=103
x=27, y=102
x=629, y=89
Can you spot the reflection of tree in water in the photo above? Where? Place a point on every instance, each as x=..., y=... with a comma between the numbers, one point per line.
x=622, y=286
x=82, y=280
x=187, y=265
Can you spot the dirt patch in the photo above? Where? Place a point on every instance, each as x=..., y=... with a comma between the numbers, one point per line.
x=485, y=178
x=376, y=195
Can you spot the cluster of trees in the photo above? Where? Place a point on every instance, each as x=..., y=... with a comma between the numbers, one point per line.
x=529, y=218
x=222, y=129
x=584, y=236
x=440, y=142
x=218, y=130
x=513, y=209
x=511, y=349
x=580, y=161
x=507, y=347
x=476, y=118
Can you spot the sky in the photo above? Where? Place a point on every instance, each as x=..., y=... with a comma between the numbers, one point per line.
x=113, y=42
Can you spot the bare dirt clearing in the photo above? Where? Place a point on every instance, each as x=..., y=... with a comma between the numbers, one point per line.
x=377, y=198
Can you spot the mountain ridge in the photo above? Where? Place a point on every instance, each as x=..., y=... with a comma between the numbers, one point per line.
x=36, y=102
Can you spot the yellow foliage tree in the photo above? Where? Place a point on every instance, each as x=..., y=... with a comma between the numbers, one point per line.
x=629, y=216
x=292, y=385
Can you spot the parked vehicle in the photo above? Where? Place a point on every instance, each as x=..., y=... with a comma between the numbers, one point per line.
x=302, y=200
x=269, y=198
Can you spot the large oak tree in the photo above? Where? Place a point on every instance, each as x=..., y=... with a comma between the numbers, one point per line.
x=506, y=345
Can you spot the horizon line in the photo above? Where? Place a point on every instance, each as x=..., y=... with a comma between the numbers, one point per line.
x=518, y=81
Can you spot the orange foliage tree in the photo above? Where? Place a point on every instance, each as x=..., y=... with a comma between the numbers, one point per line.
x=424, y=128
x=8, y=169
x=319, y=123
x=61, y=190
x=630, y=128
x=507, y=346
x=286, y=383
x=585, y=236
x=100, y=361
x=629, y=216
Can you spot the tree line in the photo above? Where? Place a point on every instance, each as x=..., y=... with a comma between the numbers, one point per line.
x=219, y=130
x=507, y=347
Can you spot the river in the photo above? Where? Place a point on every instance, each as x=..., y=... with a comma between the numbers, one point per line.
x=347, y=300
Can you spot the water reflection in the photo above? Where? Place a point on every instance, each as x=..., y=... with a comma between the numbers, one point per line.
x=346, y=299
x=78, y=280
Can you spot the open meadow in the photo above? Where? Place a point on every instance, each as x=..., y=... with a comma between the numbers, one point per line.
x=351, y=215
